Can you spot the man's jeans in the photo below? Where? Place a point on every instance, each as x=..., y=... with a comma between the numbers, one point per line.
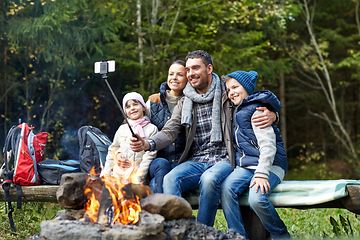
x=234, y=186
x=190, y=175
x=158, y=168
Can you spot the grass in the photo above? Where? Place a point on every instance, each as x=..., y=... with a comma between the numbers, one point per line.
x=316, y=224
x=302, y=224
x=312, y=224
x=27, y=219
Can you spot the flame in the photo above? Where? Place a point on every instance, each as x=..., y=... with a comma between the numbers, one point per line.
x=126, y=210
x=92, y=205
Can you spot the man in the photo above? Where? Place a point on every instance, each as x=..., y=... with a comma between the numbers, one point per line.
x=208, y=157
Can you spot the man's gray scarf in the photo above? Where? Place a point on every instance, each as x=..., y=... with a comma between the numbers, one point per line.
x=213, y=93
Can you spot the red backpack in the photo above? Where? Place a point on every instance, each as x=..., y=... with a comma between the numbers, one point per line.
x=22, y=151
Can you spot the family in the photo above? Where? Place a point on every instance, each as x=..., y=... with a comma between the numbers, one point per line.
x=200, y=131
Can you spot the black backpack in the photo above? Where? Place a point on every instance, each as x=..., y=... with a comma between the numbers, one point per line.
x=94, y=146
x=51, y=170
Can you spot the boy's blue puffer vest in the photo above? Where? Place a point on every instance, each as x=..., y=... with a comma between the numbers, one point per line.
x=244, y=134
x=160, y=114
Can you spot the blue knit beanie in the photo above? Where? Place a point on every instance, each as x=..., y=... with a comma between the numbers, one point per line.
x=246, y=79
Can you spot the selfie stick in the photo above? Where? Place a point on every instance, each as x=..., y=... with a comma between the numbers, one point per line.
x=104, y=76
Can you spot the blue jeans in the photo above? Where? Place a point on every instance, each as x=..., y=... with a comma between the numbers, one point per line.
x=236, y=184
x=191, y=175
x=158, y=168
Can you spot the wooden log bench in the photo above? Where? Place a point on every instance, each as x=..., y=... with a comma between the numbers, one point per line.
x=351, y=202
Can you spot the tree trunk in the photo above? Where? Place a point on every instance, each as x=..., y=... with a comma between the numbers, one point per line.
x=154, y=19
x=140, y=43
x=3, y=61
x=283, y=108
x=357, y=19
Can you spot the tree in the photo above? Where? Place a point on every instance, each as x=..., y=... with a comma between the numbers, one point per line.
x=317, y=66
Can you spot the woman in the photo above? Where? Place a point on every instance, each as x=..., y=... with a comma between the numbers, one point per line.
x=161, y=106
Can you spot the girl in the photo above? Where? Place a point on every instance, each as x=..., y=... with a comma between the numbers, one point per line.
x=121, y=161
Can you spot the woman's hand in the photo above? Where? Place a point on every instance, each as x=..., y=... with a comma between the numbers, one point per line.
x=265, y=119
x=261, y=183
x=122, y=161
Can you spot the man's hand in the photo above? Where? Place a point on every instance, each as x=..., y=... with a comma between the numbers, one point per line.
x=261, y=183
x=264, y=119
x=138, y=144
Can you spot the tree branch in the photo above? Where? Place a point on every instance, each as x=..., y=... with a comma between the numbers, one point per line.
x=175, y=19
x=8, y=89
x=331, y=124
x=318, y=52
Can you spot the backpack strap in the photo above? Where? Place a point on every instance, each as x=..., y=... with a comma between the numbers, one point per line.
x=9, y=153
x=19, y=194
x=7, y=147
x=6, y=187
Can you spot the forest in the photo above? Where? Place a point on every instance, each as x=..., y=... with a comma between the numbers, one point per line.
x=305, y=51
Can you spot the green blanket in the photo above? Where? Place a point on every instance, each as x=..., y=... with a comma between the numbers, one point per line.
x=307, y=192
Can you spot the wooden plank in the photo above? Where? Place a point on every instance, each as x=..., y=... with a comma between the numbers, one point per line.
x=350, y=202
x=42, y=193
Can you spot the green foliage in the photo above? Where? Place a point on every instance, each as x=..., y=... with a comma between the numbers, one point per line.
x=309, y=164
x=309, y=153
x=48, y=48
x=343, y=227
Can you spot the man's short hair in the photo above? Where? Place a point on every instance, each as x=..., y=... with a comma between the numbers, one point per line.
x=205, y=57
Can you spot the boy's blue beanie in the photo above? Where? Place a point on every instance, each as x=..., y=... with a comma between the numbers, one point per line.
x=246, y=79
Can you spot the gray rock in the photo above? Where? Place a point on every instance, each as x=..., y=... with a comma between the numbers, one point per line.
x=69, y=230
x=70, y=193
x=169, y=206
x=150, y=226
x=196, y=231
x=69, y=214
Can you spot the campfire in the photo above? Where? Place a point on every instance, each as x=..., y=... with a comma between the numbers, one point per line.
x=124, y=207
x=104, y=208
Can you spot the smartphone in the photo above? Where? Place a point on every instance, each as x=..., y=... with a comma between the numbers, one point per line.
x=104, y=67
